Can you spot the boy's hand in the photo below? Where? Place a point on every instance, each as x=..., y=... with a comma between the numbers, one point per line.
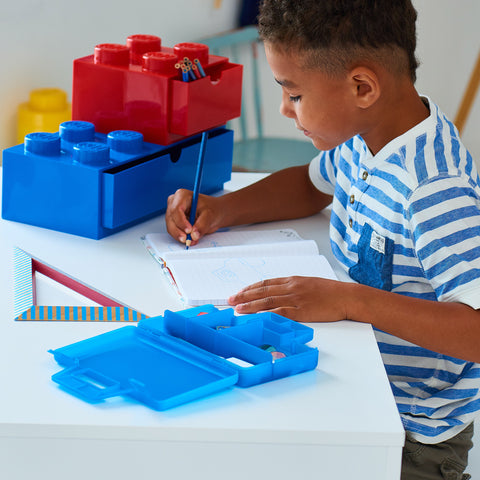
x=303, y=299
x=176, y=216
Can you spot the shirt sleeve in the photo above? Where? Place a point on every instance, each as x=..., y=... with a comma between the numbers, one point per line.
x=445, y=226
x=322, y=171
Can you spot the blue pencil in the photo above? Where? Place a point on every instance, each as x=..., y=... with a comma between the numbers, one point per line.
x=196, y=186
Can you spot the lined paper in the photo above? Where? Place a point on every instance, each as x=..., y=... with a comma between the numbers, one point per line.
x=214, y=280
x=225, y=262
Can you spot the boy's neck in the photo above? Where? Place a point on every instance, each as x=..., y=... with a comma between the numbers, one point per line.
x=396, y=113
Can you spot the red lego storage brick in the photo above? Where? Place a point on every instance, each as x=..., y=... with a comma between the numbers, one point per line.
x=167, y=94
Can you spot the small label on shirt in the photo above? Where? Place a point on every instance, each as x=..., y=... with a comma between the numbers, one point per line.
x=377, y=242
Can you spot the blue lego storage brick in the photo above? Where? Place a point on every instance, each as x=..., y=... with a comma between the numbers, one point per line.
x=91, y=184
x=182, y=356
x=153, y=180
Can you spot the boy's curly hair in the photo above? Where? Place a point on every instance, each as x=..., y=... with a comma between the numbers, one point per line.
x=336, y=34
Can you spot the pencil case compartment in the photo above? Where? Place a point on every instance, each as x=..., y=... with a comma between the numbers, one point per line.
x=253, y=364
x=261, y=347
x=267, y=327
x=272, y=353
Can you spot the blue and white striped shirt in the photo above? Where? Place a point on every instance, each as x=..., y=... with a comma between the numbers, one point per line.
x=408, y=220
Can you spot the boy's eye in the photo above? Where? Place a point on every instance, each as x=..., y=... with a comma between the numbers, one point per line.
x=295, y=98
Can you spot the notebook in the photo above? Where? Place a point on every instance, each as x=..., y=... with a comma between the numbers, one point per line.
x=223, y=263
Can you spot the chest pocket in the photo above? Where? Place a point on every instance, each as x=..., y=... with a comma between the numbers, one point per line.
x=375, y=260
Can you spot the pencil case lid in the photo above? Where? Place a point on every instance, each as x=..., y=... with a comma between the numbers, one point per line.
x=179, y=357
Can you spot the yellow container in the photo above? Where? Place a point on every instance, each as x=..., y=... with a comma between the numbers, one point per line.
x=46, y=109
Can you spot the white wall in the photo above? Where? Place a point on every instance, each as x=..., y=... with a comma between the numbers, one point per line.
x=448, y=45
x=40, y=39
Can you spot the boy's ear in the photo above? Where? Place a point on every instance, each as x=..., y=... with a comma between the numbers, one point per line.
x=365, y=86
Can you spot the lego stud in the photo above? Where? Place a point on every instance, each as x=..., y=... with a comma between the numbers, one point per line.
x=141, y=44
x=48, y=99
x=112, y=54
x=91, y=153
x=159, y=62
x=45, y=110
x=125, y=141
x=42, y=143
x=77, y=131
x=191, y=51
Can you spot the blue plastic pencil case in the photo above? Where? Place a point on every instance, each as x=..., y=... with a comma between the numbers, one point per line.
x=179, y=357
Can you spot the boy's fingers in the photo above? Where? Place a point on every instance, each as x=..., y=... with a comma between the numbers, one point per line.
x=177, y=225
x=177, y=222
x=203, y=222
x=178, y=215
x=177, y=233
x=263, y=295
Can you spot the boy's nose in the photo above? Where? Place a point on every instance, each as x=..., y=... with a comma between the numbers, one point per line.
x=286, y=107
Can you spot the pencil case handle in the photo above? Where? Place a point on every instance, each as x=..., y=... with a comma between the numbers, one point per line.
x=88, y=384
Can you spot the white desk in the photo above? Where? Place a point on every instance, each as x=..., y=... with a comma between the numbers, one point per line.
x=338, y=421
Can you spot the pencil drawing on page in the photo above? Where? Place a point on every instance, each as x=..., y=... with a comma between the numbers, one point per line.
x=241, y=270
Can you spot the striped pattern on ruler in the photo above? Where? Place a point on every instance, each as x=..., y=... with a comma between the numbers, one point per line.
x=82, y=314
x=22, y=281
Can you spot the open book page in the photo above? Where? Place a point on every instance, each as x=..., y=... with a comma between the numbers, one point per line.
x=163, y=247
x=300, y=247
x=225, y=262
x=211, y=280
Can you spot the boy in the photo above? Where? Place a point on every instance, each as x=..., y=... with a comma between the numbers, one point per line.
x=405, y=219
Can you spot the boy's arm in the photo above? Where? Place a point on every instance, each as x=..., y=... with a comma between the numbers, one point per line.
x=445, y=327
x=283, y=195
x=449, y=328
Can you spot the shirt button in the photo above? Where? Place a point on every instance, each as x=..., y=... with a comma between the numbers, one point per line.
x=365, y=175
x=350, y=222
x=352, y=198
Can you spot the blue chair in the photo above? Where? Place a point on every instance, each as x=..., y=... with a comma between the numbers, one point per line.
x=256, y=152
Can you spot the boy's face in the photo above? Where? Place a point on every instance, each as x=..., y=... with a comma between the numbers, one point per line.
x=322, y=107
